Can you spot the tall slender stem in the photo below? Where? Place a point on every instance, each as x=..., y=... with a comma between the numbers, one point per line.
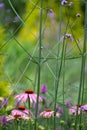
x=29, y=112
x=82, y=75
x=39, y=62
x=57, y=67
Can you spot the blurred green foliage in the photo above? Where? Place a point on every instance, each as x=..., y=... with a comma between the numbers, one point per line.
x=4, y=83
x=30, y=30
x=12, y=12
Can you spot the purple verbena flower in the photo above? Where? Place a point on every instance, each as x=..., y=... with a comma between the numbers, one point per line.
x=3, y=120
x=50, y=13
x=67, y=35
x=17, y=104
x=78, y=15
x=64, y=2
x=68, y=103
x=2, y=5
x=70, y=4
x=59, y=109
x=4, y=103
x=43, y=89
x=16, y=19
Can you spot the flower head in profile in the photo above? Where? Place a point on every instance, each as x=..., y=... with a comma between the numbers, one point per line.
x=21, y=112
x=73, y=109
x=43, y=89
x=84, y=107
x=49, y=113
x=28, y=94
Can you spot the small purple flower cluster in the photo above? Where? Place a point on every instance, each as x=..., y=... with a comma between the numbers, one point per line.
x=65, y=2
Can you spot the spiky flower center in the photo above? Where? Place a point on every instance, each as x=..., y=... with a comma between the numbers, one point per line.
x=29, y=91
x=17, y=116
x=48, y=110
x=79, y=105
x=21, y=107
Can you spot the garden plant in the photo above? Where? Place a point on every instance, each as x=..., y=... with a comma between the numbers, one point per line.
x=43, y=63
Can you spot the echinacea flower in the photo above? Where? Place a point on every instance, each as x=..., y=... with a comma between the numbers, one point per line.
x=49, y=113
x=73, y=110
x=28, y=94
x=21, y=112
x=84, y=107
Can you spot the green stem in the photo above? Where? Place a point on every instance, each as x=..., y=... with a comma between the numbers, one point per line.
x=58, y=69
x=82, y=75
x=39, y=62
x=64, y=56
x=29, y=113
x=47, y=123
x=57, y=82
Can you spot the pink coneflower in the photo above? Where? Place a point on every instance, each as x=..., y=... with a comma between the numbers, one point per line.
x=28, y=94
x=58, y=114
x=84, y=107
x=73, y=110
x=49, y=113
x=21, y=112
